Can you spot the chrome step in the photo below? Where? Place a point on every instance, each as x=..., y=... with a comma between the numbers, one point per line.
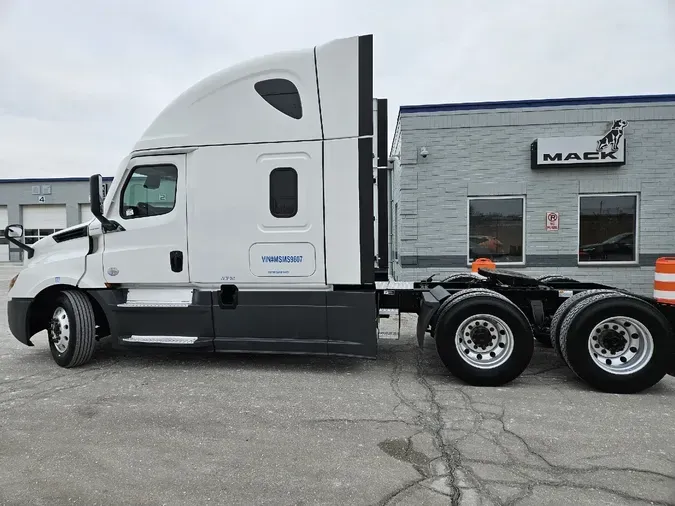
x=161, y=339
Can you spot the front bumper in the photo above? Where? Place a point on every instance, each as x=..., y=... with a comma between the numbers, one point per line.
x=17, y=314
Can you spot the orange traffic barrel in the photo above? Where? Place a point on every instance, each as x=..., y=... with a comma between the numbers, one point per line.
x=664, y=280
x=482, y=263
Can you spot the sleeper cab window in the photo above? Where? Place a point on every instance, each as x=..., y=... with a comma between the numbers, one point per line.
x=283, y=192
x=150, y=190
x=281, y=94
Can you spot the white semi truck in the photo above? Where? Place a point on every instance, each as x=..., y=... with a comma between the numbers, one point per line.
x=252, y=216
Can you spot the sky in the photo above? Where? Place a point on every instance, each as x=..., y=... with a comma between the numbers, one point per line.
x=80, y=80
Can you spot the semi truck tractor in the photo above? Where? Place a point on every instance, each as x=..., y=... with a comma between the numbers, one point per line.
x=253, y=216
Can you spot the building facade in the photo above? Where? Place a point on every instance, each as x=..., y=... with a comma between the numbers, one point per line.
x=580, y=187
x=42, y=206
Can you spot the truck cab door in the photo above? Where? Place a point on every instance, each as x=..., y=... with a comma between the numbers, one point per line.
x=150, y=204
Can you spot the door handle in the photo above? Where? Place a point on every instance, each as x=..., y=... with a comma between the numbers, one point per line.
x=176, y=261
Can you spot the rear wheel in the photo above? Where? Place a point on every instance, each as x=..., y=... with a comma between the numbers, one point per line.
x=72, y=329
x=562, y=312
x=616, y=343
x=483, y=338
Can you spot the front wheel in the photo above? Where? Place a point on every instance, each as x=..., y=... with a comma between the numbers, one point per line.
x=483, y=338
x=72, y=329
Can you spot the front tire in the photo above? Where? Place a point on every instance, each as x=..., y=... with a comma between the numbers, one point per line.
x=483, y=338
x=72, y=329
x=616, y=343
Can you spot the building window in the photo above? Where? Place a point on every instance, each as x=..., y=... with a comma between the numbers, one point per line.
x=282, y=95
x=283, y=192
x=150, y=190
x=33, y=235
x=496, y=229
x=607, y=228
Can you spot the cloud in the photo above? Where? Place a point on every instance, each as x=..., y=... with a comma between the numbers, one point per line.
x=80, y=81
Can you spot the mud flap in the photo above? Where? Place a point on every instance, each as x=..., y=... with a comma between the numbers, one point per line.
x=431, y=301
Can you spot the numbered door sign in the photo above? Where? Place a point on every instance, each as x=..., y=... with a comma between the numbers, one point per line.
x=42, y=199
x=552, y=221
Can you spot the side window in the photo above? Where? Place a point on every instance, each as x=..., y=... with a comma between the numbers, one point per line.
x=149, y=191
x=282, y=95
x=283, y=192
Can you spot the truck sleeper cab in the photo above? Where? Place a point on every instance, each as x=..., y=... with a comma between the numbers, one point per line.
x=242, y=220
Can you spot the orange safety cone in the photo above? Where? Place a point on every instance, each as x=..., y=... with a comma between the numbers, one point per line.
x=482, y=263
x=664, y=280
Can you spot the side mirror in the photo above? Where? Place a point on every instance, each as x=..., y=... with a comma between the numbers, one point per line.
x=14, y=231
x=96, y=204
x=95, y=196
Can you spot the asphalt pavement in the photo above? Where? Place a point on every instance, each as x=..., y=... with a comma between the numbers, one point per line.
x=165, y=428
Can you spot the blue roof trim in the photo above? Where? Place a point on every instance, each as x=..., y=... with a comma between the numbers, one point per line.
x=52, y=180
x=548, y=102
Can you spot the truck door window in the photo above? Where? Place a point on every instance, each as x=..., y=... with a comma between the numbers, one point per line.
x=150, y=190
x=283, y=192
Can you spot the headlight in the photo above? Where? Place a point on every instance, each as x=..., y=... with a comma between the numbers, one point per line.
x=12, y=281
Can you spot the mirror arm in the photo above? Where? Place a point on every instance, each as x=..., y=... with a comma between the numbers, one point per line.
x=18, y=243
x=94, y=190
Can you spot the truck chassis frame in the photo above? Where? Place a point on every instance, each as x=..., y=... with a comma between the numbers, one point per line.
x=546, y=301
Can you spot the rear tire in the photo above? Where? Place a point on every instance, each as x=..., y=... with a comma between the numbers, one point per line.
x=617, y=343
x=483, y=338
x=562, y=311
x=72, y=330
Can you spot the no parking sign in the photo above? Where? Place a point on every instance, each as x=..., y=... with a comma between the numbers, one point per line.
x=552, y=221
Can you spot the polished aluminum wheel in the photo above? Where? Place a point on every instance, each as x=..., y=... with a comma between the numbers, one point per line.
x=621, y=345
x=484, y=341
x=59, y=330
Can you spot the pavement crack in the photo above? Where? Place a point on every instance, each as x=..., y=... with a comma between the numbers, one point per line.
x=390, y=497
x=435, y=425
x=361, y=420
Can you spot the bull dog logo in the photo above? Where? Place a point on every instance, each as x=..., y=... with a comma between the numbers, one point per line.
x=610, y=141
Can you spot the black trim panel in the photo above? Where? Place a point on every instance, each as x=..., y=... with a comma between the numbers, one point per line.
x=308, y=322
x=352, y=323
x=382, y=132
x=271, y=316
x=366, y=211
x=194, y=320
x=17, y=315
x=382, y=273
x=74, y=233
x=365, y=85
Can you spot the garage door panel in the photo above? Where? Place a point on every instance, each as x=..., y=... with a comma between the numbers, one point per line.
x=85, y=213
x=42, y=220
x=4, y=252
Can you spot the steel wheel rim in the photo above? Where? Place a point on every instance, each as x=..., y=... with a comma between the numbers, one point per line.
x=626, y=357
x=59, y=330
x=494, y=347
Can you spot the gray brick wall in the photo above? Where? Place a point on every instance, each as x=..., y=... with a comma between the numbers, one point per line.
x=487, y=152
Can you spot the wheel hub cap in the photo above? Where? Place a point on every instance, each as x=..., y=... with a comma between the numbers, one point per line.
x=59, y=330
x=620, y=345
x=484, y=341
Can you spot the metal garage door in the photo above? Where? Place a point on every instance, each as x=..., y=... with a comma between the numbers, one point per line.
x=42, y=220
x=85, y=213
x=4, y=248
